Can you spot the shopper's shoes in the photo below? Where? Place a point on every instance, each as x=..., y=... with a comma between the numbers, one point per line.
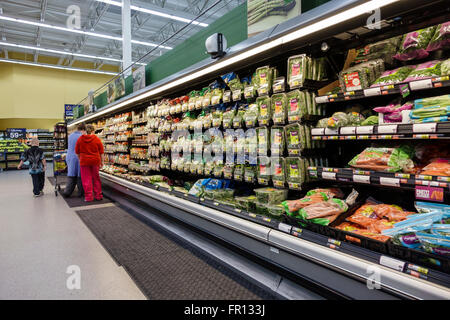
x=99, y=199
x=42, y=192
x=36, y=195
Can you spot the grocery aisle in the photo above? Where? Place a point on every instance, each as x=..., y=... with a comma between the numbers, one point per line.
x=41, y=237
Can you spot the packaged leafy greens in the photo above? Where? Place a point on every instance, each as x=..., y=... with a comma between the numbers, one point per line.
x=435, y=244
x=425, y=71
x=251, y=115
x=217, y=117
x=295, y=172
x=277, y=140
x=251, y=142
x=275, y=211
x=295, y=138
x=250, y=173
x=279, y=84
x=263, y=134
x=206, y=99
x=297, y=107
x=246, y=203
x=441, y=38
x=249, y=91
x=271, y=195
x=264, y=172
x=216, y=96
x=264, y=80
x=443, y=100
x=238, y=119
x=414, y=44
x=261, y=208
x=208, y=169
x=361, y=76
x=227, y=117
x=279, y=105
x=278, y=172
x=238, y=174
x=445, y=67
x=394, y=76
x=265, y=110
x=297, y=71
x=228, y=170
x=384, y=159
x=338, y=120
x=370, y=121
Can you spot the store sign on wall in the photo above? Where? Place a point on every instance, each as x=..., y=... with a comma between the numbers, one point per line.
x=16, y=133
x=68, y=111
x=430, y=193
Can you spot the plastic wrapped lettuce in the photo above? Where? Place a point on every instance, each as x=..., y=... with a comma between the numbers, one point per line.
x=265, y=110
x=277, y=140
x=338, y=120
x=441, y=38
x=385, y=159
x=227, y=117
x=355, y=118
x=251, y=115
x=297, y=71
x=414, y=44
x=263, y=134
x=297, y=106
x=445, y=67
x=394, y=76
x=278, y=172
x=246, y=203
x=279, y=106
x=435, y=244
x=370, y=121
x=295, y=172
x=295, y=138
x=388, y=46
x=430, y=112
x=271, y=195
x=443, y=100
x=276, y=211
x=238, y=173
x=355, y=78
x=250, y=173
x=228, y=170
x=425, y=71
x=264, y=172
x=264, y=79
x=322, y=123
x=238, y=120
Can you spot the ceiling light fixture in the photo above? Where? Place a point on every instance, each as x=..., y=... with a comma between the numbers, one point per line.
x=293, y=35
x=156, y=13
x=93, y=34
x=55, y=67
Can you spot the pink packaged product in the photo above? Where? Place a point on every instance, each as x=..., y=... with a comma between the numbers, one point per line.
x=393, y=113
x=414, y=44
x=441, y=38
x=425, y=71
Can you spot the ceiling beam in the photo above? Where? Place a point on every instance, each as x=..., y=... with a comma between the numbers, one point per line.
x=38, y=35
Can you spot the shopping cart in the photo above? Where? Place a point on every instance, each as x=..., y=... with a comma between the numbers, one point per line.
x=59, y=168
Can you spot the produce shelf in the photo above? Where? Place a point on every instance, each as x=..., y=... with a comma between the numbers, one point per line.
x=397, y=89
x=440, y=130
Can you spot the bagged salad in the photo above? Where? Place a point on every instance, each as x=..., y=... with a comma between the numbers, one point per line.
x=414, y=44
x=228, y=116
x=278, y=172
x=297, y=71
x=425, y=71
x=295, y=138
x=271, y=195
x=280, y=105
x=263, y=134
x=265, y=110
x=251, y=115
x=441, y=37
x=264, y=80
x=277, y=140
x=264, y=170
x=297, y=105
x=395, y=76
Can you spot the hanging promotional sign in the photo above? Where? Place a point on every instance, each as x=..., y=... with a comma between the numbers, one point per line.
x=265, y=14
x=139, y=78
x=16, y=133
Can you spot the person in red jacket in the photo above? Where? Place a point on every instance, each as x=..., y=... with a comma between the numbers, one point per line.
x=89, y=150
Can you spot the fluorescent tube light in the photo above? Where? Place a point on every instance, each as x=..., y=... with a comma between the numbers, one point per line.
x=93, y=34
x=294, y=35
x=156, y=13
x=55, y=67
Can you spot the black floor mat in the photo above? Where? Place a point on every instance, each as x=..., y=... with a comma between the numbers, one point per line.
x=162, y=266
x=73, y=200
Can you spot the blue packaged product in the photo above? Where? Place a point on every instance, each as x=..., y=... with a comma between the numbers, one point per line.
x=424, y=207
x=432, y=119
x=432, y=243
x=411, y=220
x=441, y=230
x=406, y=235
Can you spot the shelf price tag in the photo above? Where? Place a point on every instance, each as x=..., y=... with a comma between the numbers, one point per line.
x=322, y=99
x=392, y=263
x=425, y=127
x=348, y=130
x=391, y=182
x=372, y=92
x=284, y=227
x=361, y=179
x=329, y=175
x=318, y=131
x=364, y=130
x=331, y=132
x=387, y=128
x=421, y=84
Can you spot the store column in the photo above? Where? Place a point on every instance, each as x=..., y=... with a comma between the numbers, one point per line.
x=126, y=35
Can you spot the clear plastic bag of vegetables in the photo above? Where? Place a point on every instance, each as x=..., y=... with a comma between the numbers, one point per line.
x=338, y=120
x=295, y=172
x=271, y=195
x=251, y=142
x=264, y=80
x=297, y=105
x=278, y=171
x=393, y=76
x=297, y=71
x=238, y=119
x=414, y=44
x=228, y=116
x=277, y=140
x=280, y=106
x=217, y=116
x=251, y=115
x=425, y=70
x=250, y=173
x=265, y=110
x=264, y=170
x=263, y=134
x=295, y=138
x=238, y=173
x=385, y=159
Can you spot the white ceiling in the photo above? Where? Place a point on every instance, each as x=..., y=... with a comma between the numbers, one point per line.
x=101, y=17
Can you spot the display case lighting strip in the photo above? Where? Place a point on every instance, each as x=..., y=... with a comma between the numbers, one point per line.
x=294, y=35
